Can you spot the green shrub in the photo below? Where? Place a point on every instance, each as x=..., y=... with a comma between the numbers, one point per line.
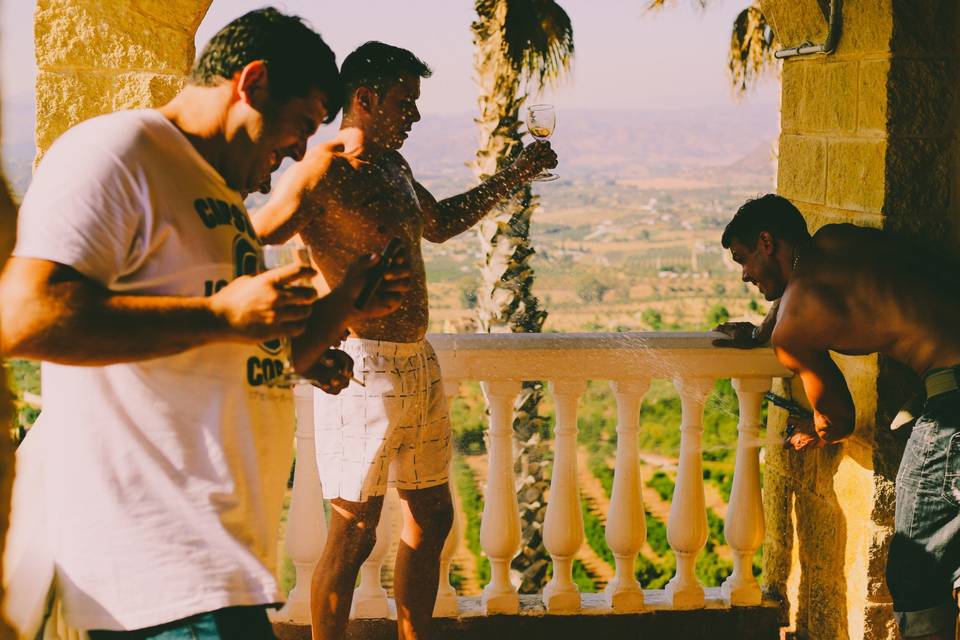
x=714, y=529
x=657, y=535
x=582, y=578
x=662, y=484
x=647, y=572
x=597, y=418
x=711, y=570
x=468, y=417
x=652, y=575
x=722, y=479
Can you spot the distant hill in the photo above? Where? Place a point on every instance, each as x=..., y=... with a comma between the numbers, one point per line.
x=18, y=148
x=757, y=166
x=617, y=144
x=724, y=144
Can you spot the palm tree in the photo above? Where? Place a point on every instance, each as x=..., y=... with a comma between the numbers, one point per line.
x=752, y=43
x=520, y=46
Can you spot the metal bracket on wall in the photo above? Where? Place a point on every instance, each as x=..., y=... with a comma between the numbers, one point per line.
x=829, y=45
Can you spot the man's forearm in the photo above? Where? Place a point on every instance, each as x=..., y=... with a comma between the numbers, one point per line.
x=275, y=222
x=460, y=212
x=94, y=328
x=288, y=208
x=325, y=328
x=280, y=218
x=765, y=330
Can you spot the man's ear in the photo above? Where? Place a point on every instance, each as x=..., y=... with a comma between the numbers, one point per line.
x=252, y=84
x=766, y=243
x=365, y=98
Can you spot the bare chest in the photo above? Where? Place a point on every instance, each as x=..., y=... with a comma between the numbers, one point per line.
x=382, y=196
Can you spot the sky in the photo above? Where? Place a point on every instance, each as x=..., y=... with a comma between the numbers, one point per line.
x=626, y=57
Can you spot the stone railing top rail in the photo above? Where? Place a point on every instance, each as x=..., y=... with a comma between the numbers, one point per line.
x=603, y=356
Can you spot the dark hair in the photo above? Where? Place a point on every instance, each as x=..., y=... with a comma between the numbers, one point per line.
x=378, y=66
x=297, y=58
x=772, y=213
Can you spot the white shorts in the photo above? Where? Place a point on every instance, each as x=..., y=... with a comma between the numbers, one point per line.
x=394, y=431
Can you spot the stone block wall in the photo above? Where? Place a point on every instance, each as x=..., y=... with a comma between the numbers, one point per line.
x=95, y=57
x=868, y=136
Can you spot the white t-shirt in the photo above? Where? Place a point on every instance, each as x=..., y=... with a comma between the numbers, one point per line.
x=163, y=479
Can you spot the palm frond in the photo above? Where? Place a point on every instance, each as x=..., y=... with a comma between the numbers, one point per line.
x=752, y=43
x=538, y=39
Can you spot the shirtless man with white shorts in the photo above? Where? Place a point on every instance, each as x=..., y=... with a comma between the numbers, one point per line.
x=346, y=198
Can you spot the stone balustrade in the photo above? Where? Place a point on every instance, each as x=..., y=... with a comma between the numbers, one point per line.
x=567, y=361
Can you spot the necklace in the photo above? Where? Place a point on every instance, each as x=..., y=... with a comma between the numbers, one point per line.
x=796, y=259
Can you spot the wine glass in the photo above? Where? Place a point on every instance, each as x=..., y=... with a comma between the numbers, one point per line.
x=278, y=255
x=541, y=121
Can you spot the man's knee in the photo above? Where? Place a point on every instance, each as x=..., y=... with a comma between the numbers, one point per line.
x=432, y=511
x=364, y=539
x=353, y=528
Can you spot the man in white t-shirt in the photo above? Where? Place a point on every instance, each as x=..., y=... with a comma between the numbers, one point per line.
x=151, y=487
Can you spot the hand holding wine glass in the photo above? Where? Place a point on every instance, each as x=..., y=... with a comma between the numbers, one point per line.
x=541, y=121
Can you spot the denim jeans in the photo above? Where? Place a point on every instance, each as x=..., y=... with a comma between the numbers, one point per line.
x=232, y=623
x=923, y=567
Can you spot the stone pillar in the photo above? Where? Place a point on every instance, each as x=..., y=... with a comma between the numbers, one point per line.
x=869, y=136
x=96, y=57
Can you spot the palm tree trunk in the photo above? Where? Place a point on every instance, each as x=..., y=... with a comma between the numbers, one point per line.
x=505, y=300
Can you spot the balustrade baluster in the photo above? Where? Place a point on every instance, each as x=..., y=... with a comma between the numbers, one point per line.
x=743, y=528
x=626, y=523
x=500, y=524
x=306, y=522
x=563, y=523
x=446, y=605
x=687, y=527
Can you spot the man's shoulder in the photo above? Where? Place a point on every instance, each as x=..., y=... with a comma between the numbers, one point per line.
x=805, y=290
x=394, y=156
x=808, y=310
x=123, y=137
x=121, y=128
x=325, y=169
x=112, y=146
x=841, y=235
x=339, y=173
